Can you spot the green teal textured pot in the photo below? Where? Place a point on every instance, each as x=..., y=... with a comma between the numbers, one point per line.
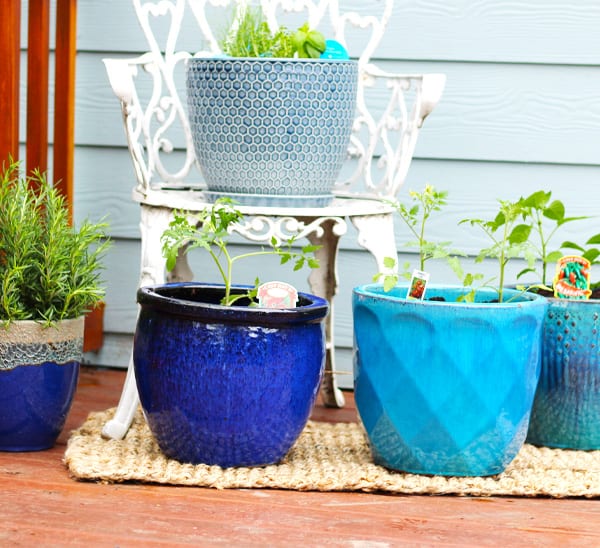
x=566, y=409
x=444, y=387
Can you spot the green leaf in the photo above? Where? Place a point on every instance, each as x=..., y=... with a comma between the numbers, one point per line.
x=311, y=248
x=537, y=200
x=571, y=245
x=519, y=234
x=389, y=262
x=555, y=211
x=553, y=257
x=389, y=282
x=525, y=271
x=591, y=254
x=594, y=240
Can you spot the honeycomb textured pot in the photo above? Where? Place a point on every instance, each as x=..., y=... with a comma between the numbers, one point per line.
x=566, y=409
x=271, y=131
x=230, y=386
x=444, y=387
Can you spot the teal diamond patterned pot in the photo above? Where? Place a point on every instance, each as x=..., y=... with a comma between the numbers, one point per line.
x=271, y=131
x=566, y=409
x=445, y=387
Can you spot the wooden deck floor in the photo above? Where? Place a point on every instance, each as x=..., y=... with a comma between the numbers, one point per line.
x=41, y=506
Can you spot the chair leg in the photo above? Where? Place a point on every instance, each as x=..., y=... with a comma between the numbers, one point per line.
x=376, y=235
x=324, y=283
x=152, y=224
x=117, y=427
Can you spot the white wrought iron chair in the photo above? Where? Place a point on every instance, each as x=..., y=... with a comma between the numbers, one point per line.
x=391, y=109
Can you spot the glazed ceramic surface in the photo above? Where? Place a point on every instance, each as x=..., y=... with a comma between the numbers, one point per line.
x=231, y=386
x=445, y=387
x=566, y=410
x=271, y=131
x=39, y=369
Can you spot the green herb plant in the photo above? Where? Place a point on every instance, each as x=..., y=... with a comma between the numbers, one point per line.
x=509, y=237
x=251, y=36
x=49, y=271
x=539, y=210
x=416, y=216
x=211, y=230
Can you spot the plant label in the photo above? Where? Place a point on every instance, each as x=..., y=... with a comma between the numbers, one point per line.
x=572, y=278
x=277, y=295
x=418, y=285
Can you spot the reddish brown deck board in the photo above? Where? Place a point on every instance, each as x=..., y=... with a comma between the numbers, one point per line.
x=41, y=505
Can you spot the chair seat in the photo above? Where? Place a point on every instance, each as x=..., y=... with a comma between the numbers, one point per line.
x=342, y=205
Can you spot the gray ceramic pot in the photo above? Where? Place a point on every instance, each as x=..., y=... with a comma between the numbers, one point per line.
x=271, y=131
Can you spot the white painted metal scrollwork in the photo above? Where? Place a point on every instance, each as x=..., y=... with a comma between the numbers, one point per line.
x=263, y=229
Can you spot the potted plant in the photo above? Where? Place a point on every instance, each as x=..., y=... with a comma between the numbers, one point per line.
x=49, y=277
x=567, y=402
x=221, y=380
x=445, y=384
x=271, y=119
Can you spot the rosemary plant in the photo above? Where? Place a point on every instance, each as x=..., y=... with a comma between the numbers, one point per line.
x=49, y=271
x=251, y=36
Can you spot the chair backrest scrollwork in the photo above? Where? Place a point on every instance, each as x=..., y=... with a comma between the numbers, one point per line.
x=151, y=88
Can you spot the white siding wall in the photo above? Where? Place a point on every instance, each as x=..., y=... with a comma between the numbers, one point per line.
x=521, y=112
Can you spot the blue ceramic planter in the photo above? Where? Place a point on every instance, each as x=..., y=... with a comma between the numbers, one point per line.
x=271, y=131
x=444, y=387
x=231, y=386
x=38, y=378
x=566, y=409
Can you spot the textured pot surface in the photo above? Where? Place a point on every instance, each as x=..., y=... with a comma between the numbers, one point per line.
x=231, y=386
x=566, y=409
x=271, y=131
x=445, y=387
x=39, y=369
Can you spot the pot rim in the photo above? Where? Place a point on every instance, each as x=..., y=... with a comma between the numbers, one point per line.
x=31, y=331
x=273, y=60
x=161, y=297
x=397, y=294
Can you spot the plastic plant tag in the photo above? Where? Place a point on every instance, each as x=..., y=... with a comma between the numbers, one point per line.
x=418, y=285
x=572, y=278
x=277, y=295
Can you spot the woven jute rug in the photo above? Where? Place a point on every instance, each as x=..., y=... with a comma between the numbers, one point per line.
x=326, y=457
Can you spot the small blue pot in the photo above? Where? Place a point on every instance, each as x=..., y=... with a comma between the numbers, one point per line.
x=226, y=385
x=39, y=369
x=270, y=131
x=566, y=409
x=444, y=387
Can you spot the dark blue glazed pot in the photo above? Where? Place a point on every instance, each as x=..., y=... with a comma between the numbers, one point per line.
x=226, y=385
x=444, y=387
x=271, y=131
x=566, y=409
x=39, y=369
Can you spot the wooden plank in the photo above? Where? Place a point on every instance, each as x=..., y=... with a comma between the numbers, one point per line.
x=38, y=50
x=9, y=79
x=38, y=485
x=64, y=99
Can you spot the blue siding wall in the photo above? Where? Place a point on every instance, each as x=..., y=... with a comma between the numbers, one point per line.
x=521, y=112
